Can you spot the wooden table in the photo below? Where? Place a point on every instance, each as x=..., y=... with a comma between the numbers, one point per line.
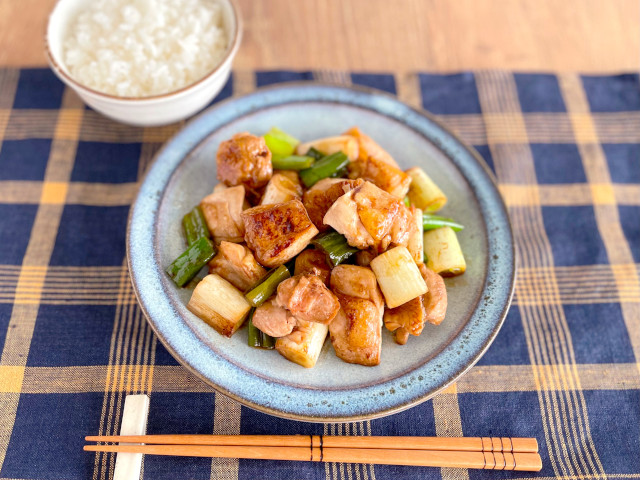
x=400, y=35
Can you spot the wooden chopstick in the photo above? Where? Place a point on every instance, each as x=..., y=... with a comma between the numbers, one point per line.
x=467, y=444
x=426, y=458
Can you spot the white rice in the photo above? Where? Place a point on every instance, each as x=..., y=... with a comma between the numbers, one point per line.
x=138, y=48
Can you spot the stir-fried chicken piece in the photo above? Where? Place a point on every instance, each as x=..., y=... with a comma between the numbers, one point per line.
x=435, y=300
x=244, y=160
x=367, y=147
x=356, y=332
x=409, y=318
x=370, y=217
x=277, y=233
x=273, y=319
x=364, y=257
x=390, y=179
x=406, y=319
x=319, y=198
x=308, y=299
x=313, y=262
x=342, y=143
x=280, y=189
x=222, y=211
x=237, y=265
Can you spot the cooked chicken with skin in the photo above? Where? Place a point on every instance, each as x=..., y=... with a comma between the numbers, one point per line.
x=370, y=217
x=342, y=143
x=244, y=160
x=277, y=233
x=367, y=147
x=406, y=319
x=308, y=299
x=435, y=300
x=387, y=177
x=280, y=189
x=319, y=198
x=237, y=265
x=273, y=319
x=222, y=211
x=356, y=332
x=313, y=262
x=364, y=257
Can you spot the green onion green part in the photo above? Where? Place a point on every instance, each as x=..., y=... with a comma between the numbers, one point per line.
x=316, y=154
x=257, y=338
x=280, y=144
x=187, y=265
x=326, y=167
x=335, y=247
x=261, y=293
x=195, y=226
x=431, y=222
x=292, y=162
x=406, y=201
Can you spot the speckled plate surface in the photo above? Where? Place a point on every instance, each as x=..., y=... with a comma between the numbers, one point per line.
x=184, y=172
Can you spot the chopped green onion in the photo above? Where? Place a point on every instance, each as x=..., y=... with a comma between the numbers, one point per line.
x=406, y=201
x=335, y=247
x=195, y=226
x=187, y=265
x=431, y=222
x=279, y=143
x=292, y=162
x=326, y=167
x=316, y=154
x=257, y=338
x=260, y=294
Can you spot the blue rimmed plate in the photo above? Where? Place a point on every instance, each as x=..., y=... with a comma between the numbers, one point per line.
x=184, y=171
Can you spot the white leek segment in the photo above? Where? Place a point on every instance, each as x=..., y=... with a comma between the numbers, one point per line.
x=415, y=244
x=304, y=343
x=443, y=252
x=220, y=304
x=423, y=192
x=398, y=276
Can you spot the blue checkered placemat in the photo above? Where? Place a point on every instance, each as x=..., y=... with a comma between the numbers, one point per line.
x=565, y=367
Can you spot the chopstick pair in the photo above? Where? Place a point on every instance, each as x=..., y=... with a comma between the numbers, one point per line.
x=489, y=453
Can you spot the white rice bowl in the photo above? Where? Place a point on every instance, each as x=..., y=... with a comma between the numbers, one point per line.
x=141, y=48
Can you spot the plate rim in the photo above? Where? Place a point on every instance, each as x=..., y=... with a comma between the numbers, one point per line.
x=501, y=310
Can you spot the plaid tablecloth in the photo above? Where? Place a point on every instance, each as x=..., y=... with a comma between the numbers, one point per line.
x=565, y=367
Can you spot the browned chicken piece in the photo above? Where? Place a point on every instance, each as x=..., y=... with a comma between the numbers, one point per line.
x=370, y=217
x=237, y=265
x=222, y=211
x=356, y=332
x=406, y=319
x=319, y=198
x=364, y=257
x=244, y=160
x=389, y=178
x=435, y=300
x=308, y=299
x=293, y=176
x=277, y=233
x=273, y=319
x=313, y=262
x=280, y=189
x=367, y=147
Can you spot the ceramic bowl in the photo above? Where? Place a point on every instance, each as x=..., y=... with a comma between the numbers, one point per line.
x=143, y=111
x=185, y=171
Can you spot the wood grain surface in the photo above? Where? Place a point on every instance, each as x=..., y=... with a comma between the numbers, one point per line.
x=400, y=35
